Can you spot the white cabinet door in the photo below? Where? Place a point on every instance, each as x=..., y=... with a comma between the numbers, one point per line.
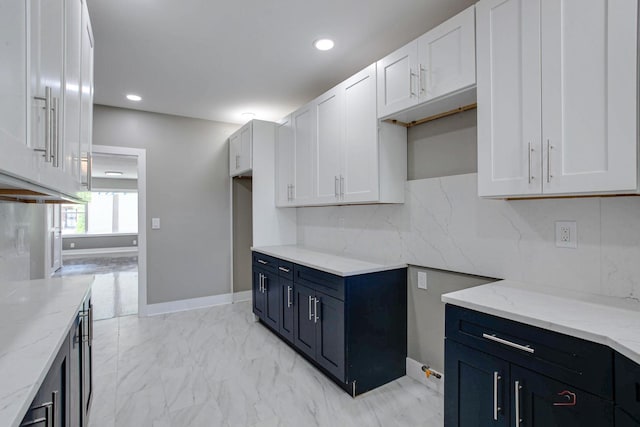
x=16, y=158
x=246, y=148
x=234, y=154
x=589, y=92
x=398, y=80
x=86, y=97
x=360, y=165
x=72, y=89
x=509, y=102
x=447, y=56
x=304, y=130
x=285, y=163
x=329, y=141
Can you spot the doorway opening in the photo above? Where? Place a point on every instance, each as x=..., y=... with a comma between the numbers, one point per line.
x=242, y=231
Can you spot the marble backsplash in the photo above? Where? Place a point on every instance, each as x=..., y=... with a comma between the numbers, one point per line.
x=15, y=223
x=444, y=224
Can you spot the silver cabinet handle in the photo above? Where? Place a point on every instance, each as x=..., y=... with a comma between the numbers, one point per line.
x=492, y=337
x=55, y=129
x=411, y=76
x=90, y=318
x=293, y=192
x=549, y=148
x=335, y=186
x=310, y=315
x=260, y=282
x=286, y=270
x=496, y=408
x=48, y=107
x=289, y=289
x=421, y=70
x=50, y=412
x=263, y=262
x=265, y=283
x=341, y=186
x=315, y=310
x=516, y=390
x=529, y=163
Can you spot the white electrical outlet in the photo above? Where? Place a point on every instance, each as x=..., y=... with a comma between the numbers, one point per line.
x=72, y=245
x=135, y=243
x=422, y=280
x=566, y=234
x=155, y=223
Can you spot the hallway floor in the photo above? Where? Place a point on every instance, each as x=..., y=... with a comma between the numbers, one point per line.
x=217, y=367
x=115, y=289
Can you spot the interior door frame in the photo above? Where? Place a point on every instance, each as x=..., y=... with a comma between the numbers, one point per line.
x=141, y=154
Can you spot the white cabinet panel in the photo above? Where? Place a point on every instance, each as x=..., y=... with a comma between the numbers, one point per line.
x=329, y=142
x=360, y=165
x=557, y=97
x=589, y=60
x=241, y=151
x=86, y=97
x=72, y=89
x=285, y=163
x=509, y=85
x=447, y=56
x=397, y=83
x=304, y=130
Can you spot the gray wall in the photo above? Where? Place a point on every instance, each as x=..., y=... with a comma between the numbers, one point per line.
x=443, y=147
x=99, y=242
x=242, y=234
x=188, y=189
x=425, y=317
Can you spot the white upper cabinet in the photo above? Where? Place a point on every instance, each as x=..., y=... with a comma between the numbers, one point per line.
x=40, y=103
x=285, y=163
x=557, y=97
x=240, y=151
x=304, y=137
x=86, y=97
x=438, y=64
x=341, y=154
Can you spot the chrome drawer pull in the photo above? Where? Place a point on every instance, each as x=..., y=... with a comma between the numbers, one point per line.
x=526, y=348
x=496, y=408
x=517, y=388
x=286, y=270
x=263, y=262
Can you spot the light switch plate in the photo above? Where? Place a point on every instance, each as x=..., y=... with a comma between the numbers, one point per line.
x=155, y=223
x=422, y=280
x=566, y=234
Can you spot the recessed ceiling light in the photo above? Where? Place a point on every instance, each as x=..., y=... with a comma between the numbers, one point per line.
x=324, y=44
x=113, y=173
x=132, y=97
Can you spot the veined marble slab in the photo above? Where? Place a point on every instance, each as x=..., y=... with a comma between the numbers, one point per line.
x=331, y=263
x=35, y=318
x=611, y=321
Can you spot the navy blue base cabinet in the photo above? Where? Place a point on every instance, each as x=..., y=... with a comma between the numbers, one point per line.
x=354, y=328
x=504, y=373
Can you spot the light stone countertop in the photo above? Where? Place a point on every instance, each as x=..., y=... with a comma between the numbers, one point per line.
x=35, y=318
x=614, y=322
x=330, y=263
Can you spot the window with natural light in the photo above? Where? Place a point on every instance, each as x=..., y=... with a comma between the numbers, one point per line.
x=106, y=213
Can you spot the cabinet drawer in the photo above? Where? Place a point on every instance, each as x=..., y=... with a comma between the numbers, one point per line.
x=266, y=262
x=627, y=374
x=326, y=283
x=581, y=363
x=285, y=269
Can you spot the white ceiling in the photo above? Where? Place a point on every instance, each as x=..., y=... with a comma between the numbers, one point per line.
x=216, y=59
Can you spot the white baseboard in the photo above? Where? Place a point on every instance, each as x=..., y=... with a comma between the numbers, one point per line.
x=195, y=303
x=242, y=296
x=414, y=370
x=106, y=252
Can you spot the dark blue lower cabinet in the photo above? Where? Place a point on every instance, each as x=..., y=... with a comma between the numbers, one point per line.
x=477, y=388
x=625, y=420
x=543, y=402
x=287, y=311
x=259, y=298
x=305, y=325
x=271, y=288
x=329, y=317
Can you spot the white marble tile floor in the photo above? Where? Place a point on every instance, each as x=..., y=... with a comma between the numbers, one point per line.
x=217, y=367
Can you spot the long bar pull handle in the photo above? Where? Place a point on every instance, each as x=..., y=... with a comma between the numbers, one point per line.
x=90, y=318
x=549, y=148
x=492, y=337
x=55, y=130
x=517, y=388
x=310, y=315
x=259, y=282
x=335, y=186
x=48, y=105
x=422, y=70
x=289, y=289
x=496, y=408
x=529, y=163
x=54, y=408
x=411, y=76
x=315, y=310
x=265, y=283
x=341, y=186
